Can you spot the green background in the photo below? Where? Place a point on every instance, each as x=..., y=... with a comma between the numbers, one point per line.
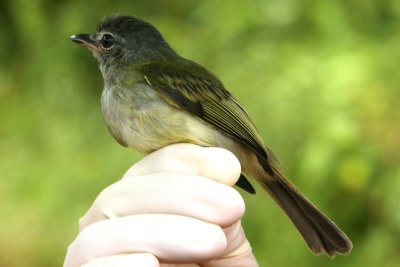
x=319, y=78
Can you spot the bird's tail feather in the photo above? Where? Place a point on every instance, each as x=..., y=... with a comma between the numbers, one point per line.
x=320, y=233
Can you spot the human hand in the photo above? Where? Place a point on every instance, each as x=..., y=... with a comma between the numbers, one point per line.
x=163, y=212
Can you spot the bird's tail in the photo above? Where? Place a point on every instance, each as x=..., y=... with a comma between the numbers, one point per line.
x=320, y=233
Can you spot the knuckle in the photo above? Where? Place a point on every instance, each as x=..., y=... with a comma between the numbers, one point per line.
x=233, y=206
x=232, y=163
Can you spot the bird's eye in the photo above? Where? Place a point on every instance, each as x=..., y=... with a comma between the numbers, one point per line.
x=107, y=41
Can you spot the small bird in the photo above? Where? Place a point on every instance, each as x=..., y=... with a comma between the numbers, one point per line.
x=152, y=97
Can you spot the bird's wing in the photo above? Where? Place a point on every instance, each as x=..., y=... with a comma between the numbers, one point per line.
x=191, y=88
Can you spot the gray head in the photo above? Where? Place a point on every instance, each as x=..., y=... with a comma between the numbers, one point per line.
x=125, y=40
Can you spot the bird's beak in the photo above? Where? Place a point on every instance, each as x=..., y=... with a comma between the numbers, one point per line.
x=85, y=40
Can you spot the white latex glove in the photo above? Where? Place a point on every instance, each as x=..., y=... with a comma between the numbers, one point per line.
x=164, y=212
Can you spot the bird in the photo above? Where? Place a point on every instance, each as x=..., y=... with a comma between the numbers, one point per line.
x=153, y=97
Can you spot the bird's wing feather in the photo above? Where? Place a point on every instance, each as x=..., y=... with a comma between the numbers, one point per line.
x=193, y=89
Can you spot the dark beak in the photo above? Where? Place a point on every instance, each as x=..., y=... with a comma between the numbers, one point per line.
x=85, y=40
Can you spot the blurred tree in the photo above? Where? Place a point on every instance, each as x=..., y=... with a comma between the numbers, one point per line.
x=320, y=79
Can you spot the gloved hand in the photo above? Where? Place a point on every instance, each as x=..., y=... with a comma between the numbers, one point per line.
x=175, y=207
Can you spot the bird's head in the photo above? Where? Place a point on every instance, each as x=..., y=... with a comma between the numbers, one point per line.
x=125, y=40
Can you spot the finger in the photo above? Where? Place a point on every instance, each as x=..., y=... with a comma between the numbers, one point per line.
x=241, y=260
x=168, y=193
x=180, y=265
x=170, y=238
x=125, y=260
x=212, y=162
x=238, y=251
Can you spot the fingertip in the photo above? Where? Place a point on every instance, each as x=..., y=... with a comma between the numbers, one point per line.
x=233, y=207
x=208, y=248
x=216, y=247
x=221, y=165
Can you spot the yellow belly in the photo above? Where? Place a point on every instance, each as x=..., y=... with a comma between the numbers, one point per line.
x=141, y=119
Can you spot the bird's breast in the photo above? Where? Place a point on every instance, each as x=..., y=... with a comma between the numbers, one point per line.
x=140, y=118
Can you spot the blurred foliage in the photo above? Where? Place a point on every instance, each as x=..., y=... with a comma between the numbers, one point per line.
x=320, y=79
